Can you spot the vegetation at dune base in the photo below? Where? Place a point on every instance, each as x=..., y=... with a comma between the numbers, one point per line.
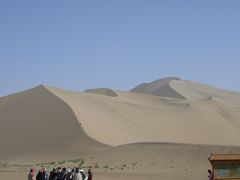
x=80, y=163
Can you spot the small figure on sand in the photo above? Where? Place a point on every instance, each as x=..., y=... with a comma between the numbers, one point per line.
x=90, y=175
x=210, y=175
x=42, y=175
x=31, y=174
x=77, y=175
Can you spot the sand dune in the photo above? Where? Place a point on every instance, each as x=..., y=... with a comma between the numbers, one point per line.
x=133, y=117
x=103, y=91
x=159, y=87
x=47, y=114
x=49, y=124
x=196, y=91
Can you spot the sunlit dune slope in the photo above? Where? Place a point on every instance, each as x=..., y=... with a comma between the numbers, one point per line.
x=159, y=87
x=133, y=117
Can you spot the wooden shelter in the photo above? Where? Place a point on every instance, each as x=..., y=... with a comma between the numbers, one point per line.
x=225, y=166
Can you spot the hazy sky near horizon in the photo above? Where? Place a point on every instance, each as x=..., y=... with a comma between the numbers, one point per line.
x=118, y=44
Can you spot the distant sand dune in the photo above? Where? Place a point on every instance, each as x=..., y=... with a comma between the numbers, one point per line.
x=102, y=91
x=196, y=91
x=159, y=87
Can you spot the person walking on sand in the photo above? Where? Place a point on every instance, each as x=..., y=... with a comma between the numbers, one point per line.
x=39, y=175
x=82, y=173
x=90, y=175
x=53, y=174
x=72, y=174
x=45, y=175
x=64, y=173
x=31, y=174
x=210, y=175
x=69, y=174
x=78, y=175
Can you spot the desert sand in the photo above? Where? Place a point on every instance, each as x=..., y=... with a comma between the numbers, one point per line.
x=165, y=129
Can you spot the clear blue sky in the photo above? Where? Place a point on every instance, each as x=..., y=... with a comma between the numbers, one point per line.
x=81, y=44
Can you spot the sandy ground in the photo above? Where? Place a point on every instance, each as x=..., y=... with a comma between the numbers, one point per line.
x=113, y=176
x=135, y=161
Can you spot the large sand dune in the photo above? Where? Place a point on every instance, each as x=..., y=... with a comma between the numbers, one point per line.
x=133, y=117
x=49, y=124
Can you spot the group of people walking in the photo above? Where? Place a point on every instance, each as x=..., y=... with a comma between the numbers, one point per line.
x=61, y=174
